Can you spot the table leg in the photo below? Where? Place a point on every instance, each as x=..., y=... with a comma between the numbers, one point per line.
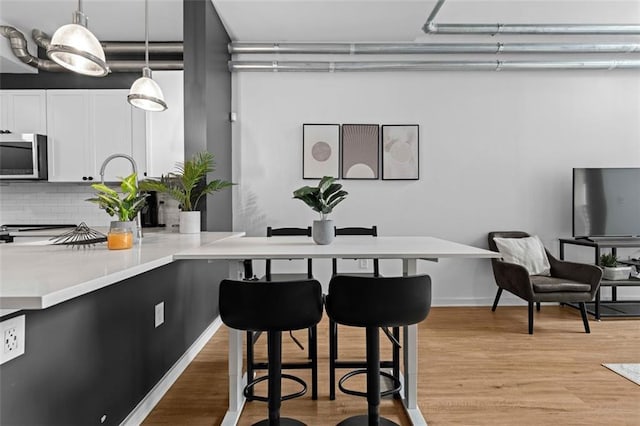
x=410, y=357
x=236, y=379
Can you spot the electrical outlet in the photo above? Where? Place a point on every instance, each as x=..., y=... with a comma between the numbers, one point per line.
x=159, y=317
x=12, y=332
x=363, y=263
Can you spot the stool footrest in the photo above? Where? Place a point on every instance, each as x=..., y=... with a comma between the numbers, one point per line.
x=249, y=387
x=363, y=420
x=361, y=364
x=396, y=383
x=284, y=421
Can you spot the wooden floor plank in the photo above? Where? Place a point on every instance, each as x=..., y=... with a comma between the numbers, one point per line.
x=477, y=367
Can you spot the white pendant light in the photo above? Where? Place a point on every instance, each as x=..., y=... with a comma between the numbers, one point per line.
x=145, y=93
x=74, y=47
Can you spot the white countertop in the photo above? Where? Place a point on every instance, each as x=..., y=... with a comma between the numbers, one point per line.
x=37, y=276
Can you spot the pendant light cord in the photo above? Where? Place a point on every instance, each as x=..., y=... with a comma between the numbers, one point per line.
x=146, y=33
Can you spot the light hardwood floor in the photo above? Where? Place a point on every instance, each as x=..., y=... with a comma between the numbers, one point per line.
x=477, y=367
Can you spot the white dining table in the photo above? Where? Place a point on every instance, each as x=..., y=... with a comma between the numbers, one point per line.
x=409, y=249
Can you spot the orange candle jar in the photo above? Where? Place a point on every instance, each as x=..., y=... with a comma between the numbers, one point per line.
x=119, y=239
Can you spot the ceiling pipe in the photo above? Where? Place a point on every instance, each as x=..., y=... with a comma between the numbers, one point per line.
x=19, y=48
x=434, y=12
x=418, y=48
x=533, y=29
x=325, y=66
x=43, y=40
x=136, y=66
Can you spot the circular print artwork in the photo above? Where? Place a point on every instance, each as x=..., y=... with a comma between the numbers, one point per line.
x=321, y=151
x=401, y=152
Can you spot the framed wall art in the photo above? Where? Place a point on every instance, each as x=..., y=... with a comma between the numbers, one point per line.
x=400, y=160
x=360, y=151
x=320, y=150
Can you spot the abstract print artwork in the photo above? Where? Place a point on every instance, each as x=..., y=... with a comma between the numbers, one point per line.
x=400, y=159
x=360, y=152
x=320, y=151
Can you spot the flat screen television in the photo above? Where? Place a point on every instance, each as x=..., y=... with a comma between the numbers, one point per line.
x=606, y=202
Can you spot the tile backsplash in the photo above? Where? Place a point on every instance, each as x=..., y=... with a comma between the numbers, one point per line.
x=58, y=203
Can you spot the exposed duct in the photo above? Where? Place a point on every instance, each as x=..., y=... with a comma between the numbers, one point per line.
x=43, y=40
x=429, y=48
x=346, y=66
x=533, y=29
x=19, y=48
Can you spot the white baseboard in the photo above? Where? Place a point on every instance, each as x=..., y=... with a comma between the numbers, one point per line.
x=505, y=300
x=154, y=396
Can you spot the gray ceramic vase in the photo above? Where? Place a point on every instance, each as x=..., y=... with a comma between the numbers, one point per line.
x=322, y=231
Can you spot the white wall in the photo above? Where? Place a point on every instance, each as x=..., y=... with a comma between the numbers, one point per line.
x=496, y=153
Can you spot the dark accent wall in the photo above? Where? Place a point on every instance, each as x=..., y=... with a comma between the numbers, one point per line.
x=207, y=95
x=67, y=80
x=71, y=80
x=100, y=354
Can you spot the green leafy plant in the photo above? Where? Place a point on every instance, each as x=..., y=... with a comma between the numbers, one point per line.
x=322, y=198
x=608, y=260
x=186, y=185
x=125, y=207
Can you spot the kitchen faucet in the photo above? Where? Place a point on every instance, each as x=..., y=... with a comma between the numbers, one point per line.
x=135, y=170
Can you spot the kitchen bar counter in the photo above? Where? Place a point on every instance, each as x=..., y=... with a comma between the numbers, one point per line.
x=37, y=276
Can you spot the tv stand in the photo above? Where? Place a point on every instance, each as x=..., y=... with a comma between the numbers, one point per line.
x=613, y=307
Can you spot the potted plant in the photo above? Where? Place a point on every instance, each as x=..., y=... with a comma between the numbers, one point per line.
x=322, y=199
x=612, y=269
x=125, y=207
x=187, y=186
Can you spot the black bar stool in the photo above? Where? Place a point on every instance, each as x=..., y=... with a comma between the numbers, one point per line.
x=252, y=337
x=373, y=303
x=272, y=307
x=394, y=336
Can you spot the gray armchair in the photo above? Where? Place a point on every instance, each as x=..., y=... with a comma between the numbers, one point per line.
x=569, y=282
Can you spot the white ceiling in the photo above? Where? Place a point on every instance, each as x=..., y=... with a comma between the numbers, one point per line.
x=401, y=20
x=308, y=20
x=109, y=20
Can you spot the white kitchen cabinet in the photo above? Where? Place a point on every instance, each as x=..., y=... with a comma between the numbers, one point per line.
x=165, y=130
x=23, y=111
x=68, y=146
x=111, y=132
x=84, y=127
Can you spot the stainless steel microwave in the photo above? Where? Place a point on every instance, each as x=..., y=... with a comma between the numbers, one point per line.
x=23, y=156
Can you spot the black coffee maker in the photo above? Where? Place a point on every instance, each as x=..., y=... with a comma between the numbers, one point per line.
x=149, y=213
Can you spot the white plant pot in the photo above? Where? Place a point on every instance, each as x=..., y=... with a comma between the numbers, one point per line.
x=190, y=222
x=617, y=273
x=322, y=231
